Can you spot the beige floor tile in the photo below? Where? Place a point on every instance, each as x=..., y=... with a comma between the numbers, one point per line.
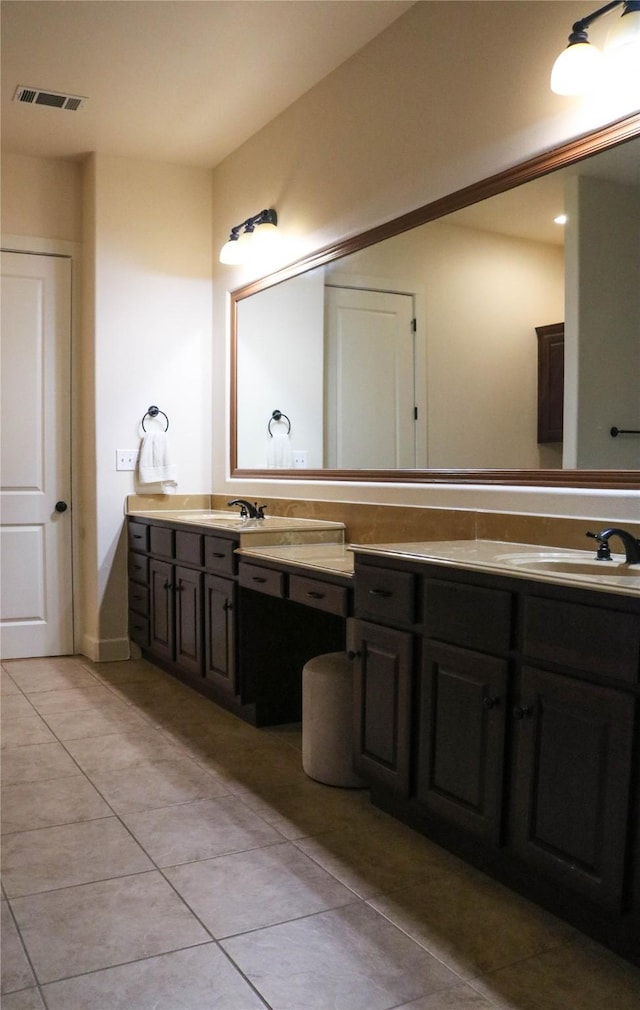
x=200, y=978
x=580, y=974
x=311, y=808
x=15, y=706
x=470, y=922
x=7, y=685
x=252, y=770
x=33, y=676
x=249, y=890
x=199, y=830
x=154, y=784
x=120, y=750
x=88, y=722
x=68, y=854
x=37, y=762
x=346, y=959
x=461, y=997
x=72, y=699
x=26, y=999
x=16, y=971
x=129, y=672
x=98, y=925
x=376, y=857
x=29, y=805
x=28, y=729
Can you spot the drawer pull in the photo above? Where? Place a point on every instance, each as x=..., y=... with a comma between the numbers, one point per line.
x=522, y=712
x=257, y=578
x=490, y=703
x=137, y=536
x=218, y=554
x=380, y=592
x=315, y=595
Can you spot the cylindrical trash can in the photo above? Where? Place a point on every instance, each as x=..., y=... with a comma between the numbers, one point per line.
x=327, y=713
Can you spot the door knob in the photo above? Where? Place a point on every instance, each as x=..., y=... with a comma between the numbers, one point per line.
x=61, y=506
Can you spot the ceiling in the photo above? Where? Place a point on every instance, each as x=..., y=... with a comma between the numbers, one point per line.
x=184, y=81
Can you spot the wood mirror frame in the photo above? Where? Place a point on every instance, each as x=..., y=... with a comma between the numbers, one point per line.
x=559, y=157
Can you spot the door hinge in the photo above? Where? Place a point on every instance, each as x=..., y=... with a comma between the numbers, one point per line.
x=414, y=325
x=415, y=413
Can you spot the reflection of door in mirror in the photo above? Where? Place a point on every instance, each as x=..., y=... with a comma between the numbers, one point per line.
x=370, y=414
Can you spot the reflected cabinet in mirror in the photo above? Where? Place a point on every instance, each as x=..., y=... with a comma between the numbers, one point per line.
x=413, y=351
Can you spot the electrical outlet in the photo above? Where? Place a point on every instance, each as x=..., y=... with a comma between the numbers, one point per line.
x=126, y=459
x=300, y=459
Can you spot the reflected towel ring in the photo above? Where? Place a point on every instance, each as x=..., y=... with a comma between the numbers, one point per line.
x=277, y=416
x=153, y=412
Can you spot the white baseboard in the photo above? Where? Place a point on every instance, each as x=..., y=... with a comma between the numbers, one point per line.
x=109, y=650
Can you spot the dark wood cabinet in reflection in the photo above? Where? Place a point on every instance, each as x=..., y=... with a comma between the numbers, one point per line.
x=550, y=382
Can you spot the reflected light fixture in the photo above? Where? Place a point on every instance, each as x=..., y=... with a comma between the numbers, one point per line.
x=579, y=67
x=250, y=237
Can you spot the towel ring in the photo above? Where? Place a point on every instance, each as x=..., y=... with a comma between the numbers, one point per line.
x=153, y=412
x=277, y=416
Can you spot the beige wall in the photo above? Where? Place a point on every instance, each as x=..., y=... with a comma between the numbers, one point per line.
x=41, y=197
x=450, y=93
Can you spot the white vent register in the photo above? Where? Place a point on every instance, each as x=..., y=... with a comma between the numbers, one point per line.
x=54, y=99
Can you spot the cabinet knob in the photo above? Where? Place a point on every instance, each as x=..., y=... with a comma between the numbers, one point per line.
x=489, y=702
x=522, y=712
x=353, y=655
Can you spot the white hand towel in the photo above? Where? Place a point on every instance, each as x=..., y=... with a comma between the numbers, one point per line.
x=154, y=464
x=279, y=453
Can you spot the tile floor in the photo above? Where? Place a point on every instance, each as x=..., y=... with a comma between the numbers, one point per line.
x=160, y=854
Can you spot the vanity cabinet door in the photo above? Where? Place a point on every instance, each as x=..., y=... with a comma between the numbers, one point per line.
x=572, y=785
x=462, y=737
x=162, y=609
x=188, y=617
x=219, y=623
x=382, y=696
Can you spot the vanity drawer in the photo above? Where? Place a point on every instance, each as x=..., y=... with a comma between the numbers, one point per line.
x=139, y=598
x=138, y=566
x=161, y=541
x=138, y=535
x=468, y=616
x=139, y=630
x=219, y=556
x=321, y=595
x=592, y=639
x=263, y=580
x=189, y=547
x=385, y=594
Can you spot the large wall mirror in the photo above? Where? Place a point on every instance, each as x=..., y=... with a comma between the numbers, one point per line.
x=418, y=350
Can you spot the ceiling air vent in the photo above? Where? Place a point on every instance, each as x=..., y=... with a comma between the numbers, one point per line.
x=54, y=99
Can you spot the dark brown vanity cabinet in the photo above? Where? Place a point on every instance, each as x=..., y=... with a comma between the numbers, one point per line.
x=181, y=611
x=503, y=724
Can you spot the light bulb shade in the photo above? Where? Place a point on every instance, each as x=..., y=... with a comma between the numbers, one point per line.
x=624, y=32
x=577, y=69
x=265, y=236
x=231, y=252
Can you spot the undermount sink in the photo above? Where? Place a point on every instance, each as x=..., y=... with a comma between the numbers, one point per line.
x=568, y=564
x=599, y=568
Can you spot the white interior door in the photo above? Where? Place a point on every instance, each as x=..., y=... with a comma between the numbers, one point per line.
x=36, y=593
x=370, y=380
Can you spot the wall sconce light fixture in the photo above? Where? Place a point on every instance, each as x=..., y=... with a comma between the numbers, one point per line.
x=244, y=240
x=578, y=68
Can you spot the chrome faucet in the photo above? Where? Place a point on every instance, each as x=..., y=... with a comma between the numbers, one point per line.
x=247, y=510
x=631, y=545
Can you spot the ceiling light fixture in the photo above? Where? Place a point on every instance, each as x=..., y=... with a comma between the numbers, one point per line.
x=244, y=241
x=579, y=67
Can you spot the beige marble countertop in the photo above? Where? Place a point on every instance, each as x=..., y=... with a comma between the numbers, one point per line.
x=328, y=557
x=267, y=531
x=525, y=561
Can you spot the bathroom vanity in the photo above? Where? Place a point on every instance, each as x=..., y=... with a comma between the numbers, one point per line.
x=496, y=711
x=236, y=631
x=496, y=685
